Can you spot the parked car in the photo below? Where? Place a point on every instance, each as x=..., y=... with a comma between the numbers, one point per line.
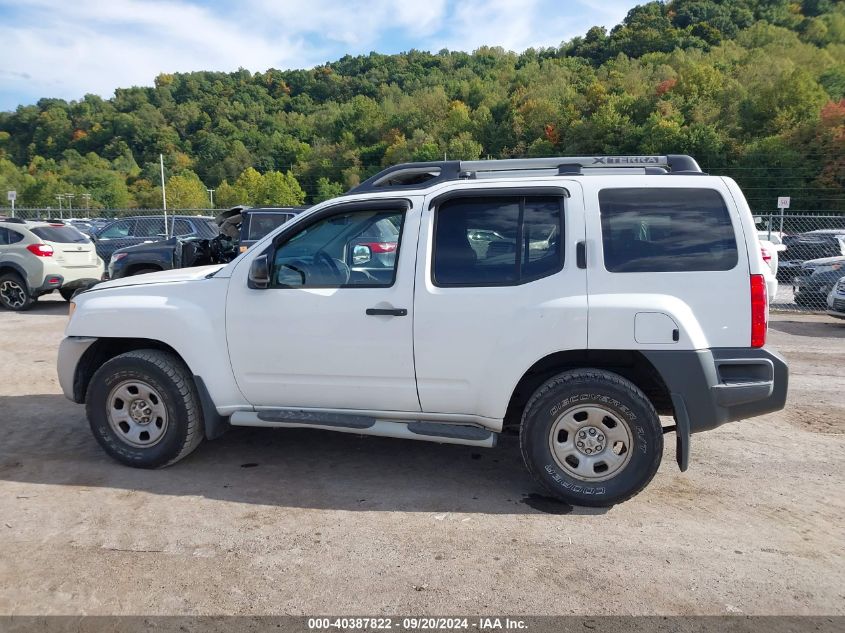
x=37, y=258
x=774, y=237
x=578, y=345
x=816, y=279
x=183, y=252
x=836, y=300
x=150, y=228
x=83, y=226
x=256, y=222
x=809, y=246
x=769, y=253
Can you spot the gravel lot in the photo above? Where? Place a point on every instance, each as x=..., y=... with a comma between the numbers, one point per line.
x=308, y=522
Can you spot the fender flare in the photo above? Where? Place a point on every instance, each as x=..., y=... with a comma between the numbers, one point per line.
x=17, y=268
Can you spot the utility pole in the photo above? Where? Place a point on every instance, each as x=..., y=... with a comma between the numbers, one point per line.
x=59, y=198
x=69, y=197
x=87, y=198
x=211, y=196
x=163, y=196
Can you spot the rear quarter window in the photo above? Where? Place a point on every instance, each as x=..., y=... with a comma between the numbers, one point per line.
x=666, y=230
x=60, y=235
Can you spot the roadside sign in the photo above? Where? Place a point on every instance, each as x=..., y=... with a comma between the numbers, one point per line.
x=783, y=202
x=11, y=196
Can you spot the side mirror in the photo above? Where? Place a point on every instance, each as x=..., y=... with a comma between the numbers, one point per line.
x=361, y=255
x=259, y=273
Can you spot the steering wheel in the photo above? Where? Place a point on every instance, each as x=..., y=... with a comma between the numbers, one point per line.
x=342, y=274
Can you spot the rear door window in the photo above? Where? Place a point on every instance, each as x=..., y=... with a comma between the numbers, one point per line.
x=60, y=235
x=182, y=227
x=149, y=227
x=122, y=228
x=497, y=241
x=666, y=230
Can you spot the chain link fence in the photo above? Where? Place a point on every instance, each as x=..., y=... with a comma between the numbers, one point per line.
x=806, y=249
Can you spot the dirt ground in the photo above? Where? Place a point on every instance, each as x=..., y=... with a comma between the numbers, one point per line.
x=309, y=522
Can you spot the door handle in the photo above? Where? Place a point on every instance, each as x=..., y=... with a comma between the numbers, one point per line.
x=387, y=312
x=581, y=254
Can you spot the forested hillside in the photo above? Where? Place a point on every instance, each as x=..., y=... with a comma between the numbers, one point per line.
x=752, y=88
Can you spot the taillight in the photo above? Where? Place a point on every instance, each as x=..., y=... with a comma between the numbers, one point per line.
x=759, y=311
x=767, y=257
x=381, y=247
x=41, y=250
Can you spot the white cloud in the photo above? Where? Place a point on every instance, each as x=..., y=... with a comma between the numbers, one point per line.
x=66, y=49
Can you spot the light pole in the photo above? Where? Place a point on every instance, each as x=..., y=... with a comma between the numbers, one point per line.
x=211, y=196
x=59, y=198
x=87, y=198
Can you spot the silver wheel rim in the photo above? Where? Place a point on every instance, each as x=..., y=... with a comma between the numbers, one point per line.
x=136, y=413
x=591, y=443
x=12, y=293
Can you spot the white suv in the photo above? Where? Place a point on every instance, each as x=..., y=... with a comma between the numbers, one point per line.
x=39, y=257
x=571, y=300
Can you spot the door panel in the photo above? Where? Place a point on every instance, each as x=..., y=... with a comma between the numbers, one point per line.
x=318, y=347
x=473, y=342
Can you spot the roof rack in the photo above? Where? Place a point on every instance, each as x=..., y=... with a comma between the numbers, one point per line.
x=424, y=175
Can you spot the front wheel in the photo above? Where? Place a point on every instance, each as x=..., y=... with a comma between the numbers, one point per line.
x=591, y=438
x=144, y=409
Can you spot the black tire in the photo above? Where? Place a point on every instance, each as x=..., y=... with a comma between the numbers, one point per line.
x=14, y=293
x=596, y=390
x=67, y=293
x=169, y=377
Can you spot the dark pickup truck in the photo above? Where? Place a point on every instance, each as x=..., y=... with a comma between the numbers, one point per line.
x=238, y=228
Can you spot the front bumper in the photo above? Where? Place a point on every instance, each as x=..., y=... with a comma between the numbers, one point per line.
x=71, y=350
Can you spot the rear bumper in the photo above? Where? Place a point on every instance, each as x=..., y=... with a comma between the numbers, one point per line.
x=720, y=385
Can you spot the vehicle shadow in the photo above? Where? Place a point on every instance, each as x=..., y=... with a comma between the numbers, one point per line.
x=47, y=305
x=47, y=441
x=815, y=329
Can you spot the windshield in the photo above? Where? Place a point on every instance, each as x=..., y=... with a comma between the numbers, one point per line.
x=60, y=235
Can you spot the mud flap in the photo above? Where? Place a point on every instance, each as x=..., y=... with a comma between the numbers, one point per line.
x=682, y=431
x=215, y=424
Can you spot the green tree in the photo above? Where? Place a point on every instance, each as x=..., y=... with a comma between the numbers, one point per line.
x=326, y=190
x=186, y=191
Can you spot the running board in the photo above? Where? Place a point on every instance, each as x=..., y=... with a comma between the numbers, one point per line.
x=442, y=432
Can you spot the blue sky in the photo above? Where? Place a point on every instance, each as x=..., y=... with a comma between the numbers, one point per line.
x=67, y=48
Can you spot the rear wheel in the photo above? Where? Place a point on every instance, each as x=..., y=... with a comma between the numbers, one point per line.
x=144, y=410
x=591, y=438
x=14, y=294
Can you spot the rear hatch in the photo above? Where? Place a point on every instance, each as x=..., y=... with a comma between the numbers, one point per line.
x=71, y=248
